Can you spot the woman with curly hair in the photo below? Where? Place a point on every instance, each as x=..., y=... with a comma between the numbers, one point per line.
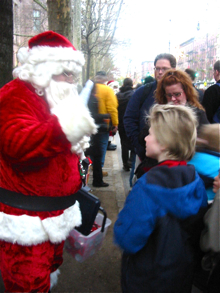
x=176, y=88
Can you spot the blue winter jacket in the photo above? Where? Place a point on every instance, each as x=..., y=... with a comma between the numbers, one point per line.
x=159, y=229
x=207, y=164
x=135, y=116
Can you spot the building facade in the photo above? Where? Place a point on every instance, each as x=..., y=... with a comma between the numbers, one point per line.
x=200, y=54
x=29, y=19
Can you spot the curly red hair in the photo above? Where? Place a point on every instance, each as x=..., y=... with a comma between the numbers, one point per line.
x=172, y=77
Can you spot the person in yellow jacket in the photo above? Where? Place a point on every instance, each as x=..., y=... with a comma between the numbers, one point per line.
x=107, y=104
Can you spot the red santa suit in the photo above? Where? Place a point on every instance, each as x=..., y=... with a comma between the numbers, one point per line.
x=36, y=160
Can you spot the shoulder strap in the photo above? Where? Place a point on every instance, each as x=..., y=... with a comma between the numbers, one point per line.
x=146, y=91
x=218, y=84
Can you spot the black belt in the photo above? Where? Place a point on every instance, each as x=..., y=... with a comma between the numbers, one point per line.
x=37, y=203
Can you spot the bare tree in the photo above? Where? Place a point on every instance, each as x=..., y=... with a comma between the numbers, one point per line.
x=6, y=41
x=99, y=22
x=60, y=17
x=77, y=24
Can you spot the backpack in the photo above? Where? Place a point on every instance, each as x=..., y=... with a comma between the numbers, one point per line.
x=216, y=117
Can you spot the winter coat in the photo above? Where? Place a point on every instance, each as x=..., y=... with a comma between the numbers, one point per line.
x=207, y=165
x=159, y=229
x=108, y=103
x=123, y=98
x=135, y=116
x=211, y=101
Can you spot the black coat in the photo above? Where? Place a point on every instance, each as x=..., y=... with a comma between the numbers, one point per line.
x=211, y=101
x=123, y=98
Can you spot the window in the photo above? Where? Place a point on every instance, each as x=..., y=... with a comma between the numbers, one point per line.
x=36, y=20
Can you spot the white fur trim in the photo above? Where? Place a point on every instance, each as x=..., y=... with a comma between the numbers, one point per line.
x=23, y=54
x=75, y=120
x=39, y=54
x=27, y=230
x=54, y=278
x=114, y=83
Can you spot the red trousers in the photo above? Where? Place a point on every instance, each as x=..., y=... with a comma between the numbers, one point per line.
x=28, y=268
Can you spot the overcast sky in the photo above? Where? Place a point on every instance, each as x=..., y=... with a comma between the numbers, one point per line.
x=151, y=25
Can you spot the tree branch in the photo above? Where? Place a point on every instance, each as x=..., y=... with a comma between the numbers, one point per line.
x=20, y=35
x=41, y=4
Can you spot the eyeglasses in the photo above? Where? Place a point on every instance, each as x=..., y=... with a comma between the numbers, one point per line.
x=70, y=76
x=67, y=74
x=162, y=69
x=175, y=95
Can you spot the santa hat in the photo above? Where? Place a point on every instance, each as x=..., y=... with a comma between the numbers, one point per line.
x=50, y=46
x=112, y=83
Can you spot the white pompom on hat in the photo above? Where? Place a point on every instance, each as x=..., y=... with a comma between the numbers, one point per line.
x=50, y=46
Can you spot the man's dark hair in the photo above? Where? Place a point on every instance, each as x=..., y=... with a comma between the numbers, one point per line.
x=101, y=77
x=191, y=73
x=217, y=66
x=128, y=82
x=148, y=79
x=101, y=73
x=168, y=57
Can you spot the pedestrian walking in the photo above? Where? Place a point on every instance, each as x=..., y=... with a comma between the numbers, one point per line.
x=127, y=150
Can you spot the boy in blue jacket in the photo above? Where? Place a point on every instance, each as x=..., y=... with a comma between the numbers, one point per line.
x=160, y=224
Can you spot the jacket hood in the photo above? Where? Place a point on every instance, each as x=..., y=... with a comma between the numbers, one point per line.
x=180, y=202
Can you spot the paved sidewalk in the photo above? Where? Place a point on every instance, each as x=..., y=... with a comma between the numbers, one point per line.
x=114, y=178
x=100, y=272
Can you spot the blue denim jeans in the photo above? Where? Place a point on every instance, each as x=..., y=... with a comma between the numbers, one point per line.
x=103, y=145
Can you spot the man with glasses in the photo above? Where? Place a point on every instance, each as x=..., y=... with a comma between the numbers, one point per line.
x=142, y=100
x=211, y=100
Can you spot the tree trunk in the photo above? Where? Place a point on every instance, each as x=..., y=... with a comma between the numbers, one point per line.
x=77, y=30
x=6, y=41
x=60, y=17
x=77, y=24
x=88, y=65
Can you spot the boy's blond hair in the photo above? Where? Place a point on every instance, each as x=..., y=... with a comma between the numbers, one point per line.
x=175, y=129
x=210, y=137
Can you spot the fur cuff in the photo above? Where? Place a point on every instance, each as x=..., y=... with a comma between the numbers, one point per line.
x=27, y=230
x=54, y=278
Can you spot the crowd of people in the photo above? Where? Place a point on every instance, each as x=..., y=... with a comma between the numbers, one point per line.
x=169, y=133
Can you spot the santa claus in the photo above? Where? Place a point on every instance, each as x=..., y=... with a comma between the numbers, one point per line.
x=114, y=85
x=45, y=128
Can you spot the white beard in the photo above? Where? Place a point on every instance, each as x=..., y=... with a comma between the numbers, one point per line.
x=74, y=117
x=57, y=91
